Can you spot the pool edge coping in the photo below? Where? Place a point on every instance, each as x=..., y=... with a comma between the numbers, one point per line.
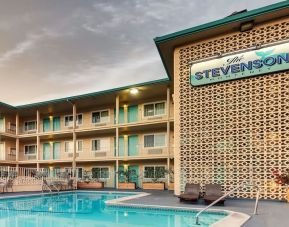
x=233, y=219
x=228, y=221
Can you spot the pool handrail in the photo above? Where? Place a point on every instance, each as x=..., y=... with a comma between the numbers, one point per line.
x=228, y=193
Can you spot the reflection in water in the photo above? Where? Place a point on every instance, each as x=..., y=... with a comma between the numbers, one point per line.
x=88, y=209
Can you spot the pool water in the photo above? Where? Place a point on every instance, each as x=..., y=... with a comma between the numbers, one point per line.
x=88, y=209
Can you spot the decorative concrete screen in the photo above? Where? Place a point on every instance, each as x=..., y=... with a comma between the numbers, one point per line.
x=238, y=130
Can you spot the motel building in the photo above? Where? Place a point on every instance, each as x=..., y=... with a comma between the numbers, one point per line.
x=221, y=116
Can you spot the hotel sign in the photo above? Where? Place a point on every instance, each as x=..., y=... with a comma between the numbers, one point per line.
x=236, y=66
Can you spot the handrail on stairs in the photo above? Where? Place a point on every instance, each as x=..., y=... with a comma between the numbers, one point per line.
x=197, y=217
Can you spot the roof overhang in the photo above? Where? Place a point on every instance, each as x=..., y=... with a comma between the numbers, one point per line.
x=167, y=43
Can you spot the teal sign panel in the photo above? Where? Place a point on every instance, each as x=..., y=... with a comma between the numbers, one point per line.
x=237, y=66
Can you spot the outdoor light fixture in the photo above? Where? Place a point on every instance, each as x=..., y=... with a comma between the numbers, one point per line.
x=246, y=26
x=134, y=91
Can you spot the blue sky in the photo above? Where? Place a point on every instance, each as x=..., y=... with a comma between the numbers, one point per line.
x=56, y=48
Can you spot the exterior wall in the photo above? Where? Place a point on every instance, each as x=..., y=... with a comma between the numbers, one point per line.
x=235, y=131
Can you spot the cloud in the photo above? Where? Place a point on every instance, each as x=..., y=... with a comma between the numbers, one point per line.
x=61, y=48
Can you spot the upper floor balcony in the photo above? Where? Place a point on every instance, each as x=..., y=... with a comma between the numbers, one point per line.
x=139, y=146
x=128, y=115
x=7, y=126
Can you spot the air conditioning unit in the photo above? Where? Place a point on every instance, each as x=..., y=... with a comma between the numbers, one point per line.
x=100, y=124
x=31, y=157
x=99, y=154
x=155, y=151
x=154, y=118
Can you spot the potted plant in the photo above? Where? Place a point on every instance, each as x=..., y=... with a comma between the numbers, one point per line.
x=125, y=179
x=90, y=180
x=154, y=178
x=282, y=179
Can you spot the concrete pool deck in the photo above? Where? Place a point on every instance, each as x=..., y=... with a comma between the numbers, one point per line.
x=271, y=213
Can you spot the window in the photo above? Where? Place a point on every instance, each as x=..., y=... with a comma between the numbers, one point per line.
x=100, y=117
x=154, y=109
x=30, y=149
x=155, y=140
x=154, y=172
x=30, y=125
x=68, y=120
x=100, y=172
x=69, y=146
x=100, y=144
x=78, y=171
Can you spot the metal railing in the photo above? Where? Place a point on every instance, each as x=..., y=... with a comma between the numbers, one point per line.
x=197, y=217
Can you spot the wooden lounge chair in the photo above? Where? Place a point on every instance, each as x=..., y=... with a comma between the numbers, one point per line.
x=213, y=192
x=192, y=193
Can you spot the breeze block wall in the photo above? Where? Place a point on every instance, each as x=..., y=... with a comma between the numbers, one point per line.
x=234, y=131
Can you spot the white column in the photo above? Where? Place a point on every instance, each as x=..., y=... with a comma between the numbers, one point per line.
x=38, y=121
x=117, y=110
x=74, y=141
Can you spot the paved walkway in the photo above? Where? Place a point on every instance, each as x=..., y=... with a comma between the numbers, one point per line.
x=271, y=213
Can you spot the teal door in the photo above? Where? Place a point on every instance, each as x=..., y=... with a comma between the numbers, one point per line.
x=133, y=145
x=1, y=124
x=121, y=177
x=132, y=115
x=56, y=123
x=134, y=173
x=121, y=146
x=56, y=150
x=46, y=125
x=121, y=115
x=46, y=151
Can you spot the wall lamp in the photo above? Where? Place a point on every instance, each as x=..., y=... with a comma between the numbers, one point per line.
x=134, y=91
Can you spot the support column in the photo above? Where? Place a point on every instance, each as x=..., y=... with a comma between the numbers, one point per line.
x=17, y=140
x=17, y=149
x=38, y=138
x=168, y=102
x=116, y=174
x=38, y=121
x=17, y=124
x=38, y=151
x=116, y=138
x=168, y=175
x=117, y=110
x=74, y=142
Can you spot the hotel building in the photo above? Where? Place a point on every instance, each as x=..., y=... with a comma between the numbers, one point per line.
x=222, y=116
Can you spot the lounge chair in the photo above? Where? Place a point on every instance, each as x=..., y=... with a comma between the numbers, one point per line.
x=213, y=192
x=8, y=184
x=192, y=193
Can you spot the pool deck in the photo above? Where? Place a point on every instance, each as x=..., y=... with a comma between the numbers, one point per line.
x=271, y=213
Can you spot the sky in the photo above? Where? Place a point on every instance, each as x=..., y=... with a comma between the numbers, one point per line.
x=57, y=48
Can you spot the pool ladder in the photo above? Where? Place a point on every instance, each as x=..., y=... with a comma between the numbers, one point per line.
x=50, y=187
x=197, y=217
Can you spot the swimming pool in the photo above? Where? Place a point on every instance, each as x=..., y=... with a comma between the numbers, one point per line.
x=89, y=209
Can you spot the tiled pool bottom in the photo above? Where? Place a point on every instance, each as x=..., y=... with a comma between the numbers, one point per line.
x=89, y=209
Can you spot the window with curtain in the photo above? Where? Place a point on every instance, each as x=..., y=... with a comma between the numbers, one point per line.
x=30, y=125
x=100, y=145
x=69, y=146
x=30, y=149
x=68, y=120
x=100, y=172
x=155, y=140
x=154, y=109
x=95, y=145
x=154, y=172
x=100, y=116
